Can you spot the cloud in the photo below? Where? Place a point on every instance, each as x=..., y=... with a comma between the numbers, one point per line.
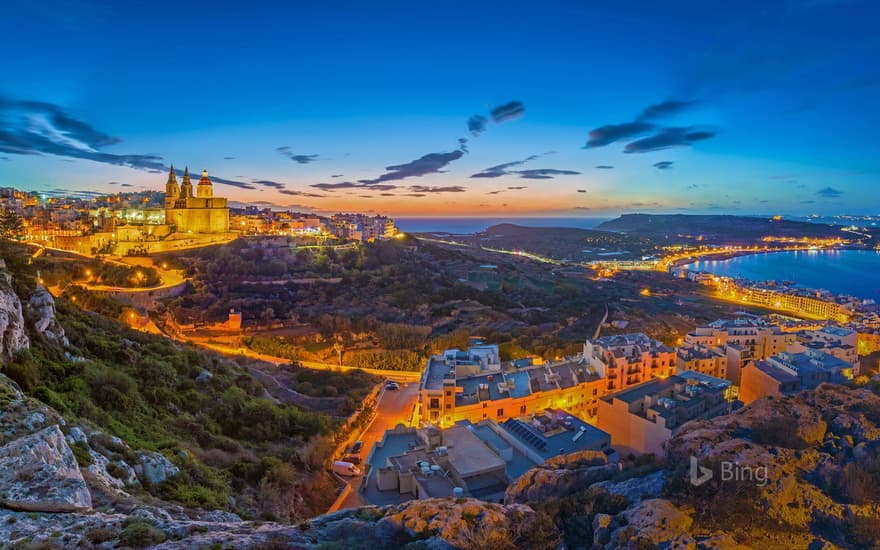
x=477, y=124
x=286, y=151
x=663, y=165
x=604, y=167
x=38, y=128
x=518, y=187
x=502, y=169
x=270, y=183
x=808, y=202
x=582, y=190
x=125, y=185
x=228, y=158
x=668, y=137
x=336, y=175
x=539, y=173
x=352, y=185
x=508, y=111
x=446, y=189
x=432, y=163
x=829, y=193
x=692, y=186
x=666, y=109
x=495, y=192
x=294, y=193
x=112, y=183
x=462, y=144
x=232, y=183
x=544, y=173
x=608, y=134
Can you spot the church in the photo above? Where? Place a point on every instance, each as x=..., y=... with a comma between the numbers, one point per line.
x=199, y=213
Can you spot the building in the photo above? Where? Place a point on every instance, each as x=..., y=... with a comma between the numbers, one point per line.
x=201, y=212
x=642, y=418
x=476, y=459
x=792, y=372
x=709, y=360
x=742, y=340
x=628, y=359
x=841, y=342
x=473, y=385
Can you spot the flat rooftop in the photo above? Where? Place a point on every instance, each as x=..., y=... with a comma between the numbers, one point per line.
x=556, y=432
x=468, y=454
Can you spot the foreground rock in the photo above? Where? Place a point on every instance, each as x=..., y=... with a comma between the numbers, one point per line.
x=435, y=523
x=41, y=314
x=556, y=478
x=39, y=473
x=13, y=336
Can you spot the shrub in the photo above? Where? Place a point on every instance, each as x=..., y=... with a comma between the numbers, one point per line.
x=780, y=431
x=82, y=455
x=98, y=535
x=141, y=535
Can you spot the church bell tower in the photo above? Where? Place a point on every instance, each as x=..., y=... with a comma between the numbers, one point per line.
x=172, y=191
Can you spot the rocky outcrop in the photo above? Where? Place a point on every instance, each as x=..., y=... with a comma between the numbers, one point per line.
x=21, y=415
x=39, y=473
x=437, y=524
x=557, y=479
x=41, y=315
x=154, y=468
x=13, y=336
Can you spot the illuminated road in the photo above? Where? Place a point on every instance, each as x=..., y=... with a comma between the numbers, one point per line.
x=395, y=407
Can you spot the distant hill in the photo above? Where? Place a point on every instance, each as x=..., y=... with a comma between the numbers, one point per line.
x=714, y=227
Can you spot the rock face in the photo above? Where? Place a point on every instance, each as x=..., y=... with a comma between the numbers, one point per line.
x=39, y=473
x=41, y=315
x=557, y=479
x=21, y=415
x=155, y=468
x=13, y=336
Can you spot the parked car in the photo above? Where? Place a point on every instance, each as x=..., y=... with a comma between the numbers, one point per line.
x=346, y=469
x=392, y=385
x=356, y=448
x=354, y=459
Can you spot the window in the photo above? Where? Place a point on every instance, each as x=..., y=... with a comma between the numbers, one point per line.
x=448, y=393
x=435, y=403
x=595, y=391
x=522, y=409
x=500, y=412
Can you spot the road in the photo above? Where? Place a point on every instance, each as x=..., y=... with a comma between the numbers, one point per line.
x=394, y=407
x=232, y=351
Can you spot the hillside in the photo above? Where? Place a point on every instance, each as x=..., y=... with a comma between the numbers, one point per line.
x=716, y=229
x=203, y=431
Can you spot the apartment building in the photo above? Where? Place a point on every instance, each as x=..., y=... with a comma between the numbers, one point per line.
x=711, y=360
x=625, y=360
x=792, y=372
x=642, y=418
x=472, y=385
x=742, y=340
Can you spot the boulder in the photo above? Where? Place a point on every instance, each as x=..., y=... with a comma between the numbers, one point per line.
x=154, y=468
x=13, y=336
x=41, y=315
x=637, y=488
x=541, y=483
x=39, y=473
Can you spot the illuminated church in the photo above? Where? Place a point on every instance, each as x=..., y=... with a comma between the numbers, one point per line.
x=199, y=213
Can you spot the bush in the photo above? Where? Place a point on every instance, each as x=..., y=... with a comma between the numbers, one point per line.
x=778, y=431
x=23, y=370
x=140, y=534
x=98, y=535
x=82, y=455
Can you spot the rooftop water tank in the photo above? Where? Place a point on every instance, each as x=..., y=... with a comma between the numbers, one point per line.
x=457, y=492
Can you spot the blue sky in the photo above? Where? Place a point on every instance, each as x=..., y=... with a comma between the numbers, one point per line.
x=451, y=108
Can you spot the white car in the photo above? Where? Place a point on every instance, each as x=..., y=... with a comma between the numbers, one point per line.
x=392, y=385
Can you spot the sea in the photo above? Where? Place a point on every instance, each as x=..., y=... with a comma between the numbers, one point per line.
x=469, y=226
x=853, y=272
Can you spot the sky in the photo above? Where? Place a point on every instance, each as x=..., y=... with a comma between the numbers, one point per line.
x=451, y=108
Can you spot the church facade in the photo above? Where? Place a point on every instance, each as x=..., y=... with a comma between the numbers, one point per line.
x=201, y=212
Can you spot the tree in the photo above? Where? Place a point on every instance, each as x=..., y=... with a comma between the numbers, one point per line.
x=10, y=225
